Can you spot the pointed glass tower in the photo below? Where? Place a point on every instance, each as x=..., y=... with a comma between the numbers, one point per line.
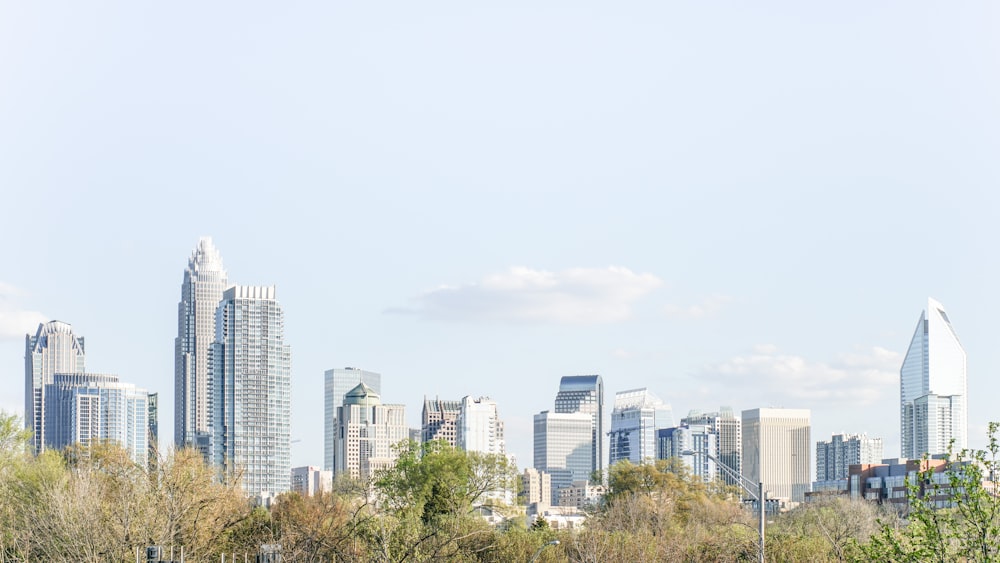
x=204, y=281
x=933, y=389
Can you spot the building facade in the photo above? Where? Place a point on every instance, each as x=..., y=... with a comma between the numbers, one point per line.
x=635, y=419
x=437, y=420
x=536, y=489
x=776, y=451
x=933, y=388
x=201, y=291
x=336, y=384
x=90, y=408
x=251, y=390
x=478, y=427
x=563, y=448
x=695, y=445
x=835, y=456
x=367, y=433
x=311, y=481
x=728, y=429
x=54, y=348
x=585, y=394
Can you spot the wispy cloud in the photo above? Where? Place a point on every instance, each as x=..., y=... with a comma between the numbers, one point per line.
x=15, y=321
x=525, y=295
x=706, y=308
x=856, y=379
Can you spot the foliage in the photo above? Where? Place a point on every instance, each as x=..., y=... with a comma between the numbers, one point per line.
x=953, y=515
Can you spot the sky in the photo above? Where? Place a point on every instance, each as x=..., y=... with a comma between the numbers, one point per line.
x=729, y=203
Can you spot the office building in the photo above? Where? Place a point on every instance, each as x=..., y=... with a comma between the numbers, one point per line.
x=563, y=448
x=90, y=408
x=728, y=429
x=933, y=389
x=54, y=348
x=336, y=383
x=696, y=445
x=201, y=291
x=478, y=426
x=776, y=450
x=636, y=417
x=153, y=428
x=367, y=433
x=437, y=420
x=835, y=456
x=585, y=394
x=311, y=481
x=536, y=489
x=251, y=390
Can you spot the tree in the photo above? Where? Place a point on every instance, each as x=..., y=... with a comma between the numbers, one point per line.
x=953, y=514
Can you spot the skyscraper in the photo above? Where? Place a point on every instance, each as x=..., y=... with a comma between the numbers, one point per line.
x=564, y=448
x=835, y=456
x=86, y=408
x=201, y=291
x=694, y=444
x=585, y=393
x=776, y=451
x=251, y=390
x=367, y=432
x=636, y=417
x=478, y=426
x=730, y=439
x=437, y=420
x=336, y=383
x=933, y=390
x=54, y=349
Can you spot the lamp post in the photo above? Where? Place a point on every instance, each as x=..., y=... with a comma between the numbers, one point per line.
x=748, y=486
x=539, y=552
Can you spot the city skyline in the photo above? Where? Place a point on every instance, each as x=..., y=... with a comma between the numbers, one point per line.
x=724, y=204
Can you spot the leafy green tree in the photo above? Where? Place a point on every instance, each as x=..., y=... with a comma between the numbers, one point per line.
x=953, y=515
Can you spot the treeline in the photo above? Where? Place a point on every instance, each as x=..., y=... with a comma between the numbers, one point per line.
x=95, y=504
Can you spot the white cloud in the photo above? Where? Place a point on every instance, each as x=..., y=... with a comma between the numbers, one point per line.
x=524, y=295
x=708, y=307
x=621, y=353
x=772, y=377
x=15, y=321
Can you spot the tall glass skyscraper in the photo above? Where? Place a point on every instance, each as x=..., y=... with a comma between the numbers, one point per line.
x=585, y=393
x=933, y=390
x=336, y=383
x=251, y=390
x=564, y=448
x=53, y=349
x=204, y=281
x=636, y=417
x=86, y=408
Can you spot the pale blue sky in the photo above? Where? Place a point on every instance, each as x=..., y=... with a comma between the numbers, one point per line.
x=730, y=203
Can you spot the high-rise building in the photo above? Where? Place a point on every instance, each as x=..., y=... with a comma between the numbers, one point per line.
x=437, y=420
x=564, y=448
x=337, y=382
x=585, y=393
x=53, y=349
x=776, y=451
x=835, y=456
x=153, y=428
x=933, y=388
x=367, y=433
x=478, y=427
x=536, y=487
x=201, y=291
x=694, y=444
x=636, y=417
x=251, y=390
x=87, y=408
x=729, y=432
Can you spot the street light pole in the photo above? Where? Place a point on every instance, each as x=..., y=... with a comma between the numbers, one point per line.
x=743, y=482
